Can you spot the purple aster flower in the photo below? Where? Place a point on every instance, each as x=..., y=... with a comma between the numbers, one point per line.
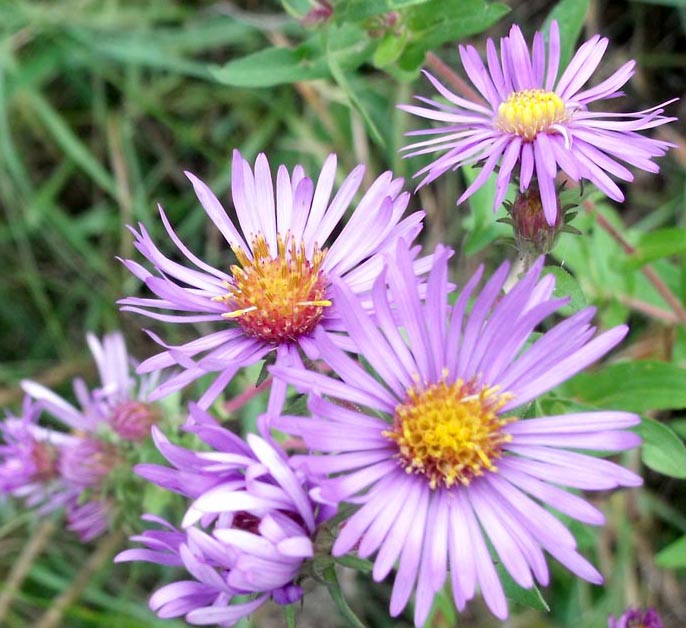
x=437, y=451
x=29, y=460
x=636, y=618
x=532, y=118
x=247, y=532
x=82, y=459
x=289, y=246
x=119, y=402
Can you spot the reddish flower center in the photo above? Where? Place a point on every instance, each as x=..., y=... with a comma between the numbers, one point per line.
x=450, y=433
x=529, y=112
x=132, y=420
x=246, y=521
x=44, y=458
x=277, y=299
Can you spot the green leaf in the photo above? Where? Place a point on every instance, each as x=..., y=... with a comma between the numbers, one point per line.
x=679, y=427
x=570, y=16
x=633, y=386
x=531, y=598
x=274, y=66
x=566, y=285
x=390, y=48
x=338, y=73
x=439, y=21
x=673, y=556
x=663, y=451
x=70, y=143
x=655, y=245
x=354, y=562
x=358, y=10
x=310, y=60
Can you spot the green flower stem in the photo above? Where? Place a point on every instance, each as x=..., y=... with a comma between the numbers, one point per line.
x=334, y=588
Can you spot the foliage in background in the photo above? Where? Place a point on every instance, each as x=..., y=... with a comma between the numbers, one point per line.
x=103, y=104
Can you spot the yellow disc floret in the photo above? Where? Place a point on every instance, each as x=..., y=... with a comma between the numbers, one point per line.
x=280, y=298
x=450, y=433
x=529, y=112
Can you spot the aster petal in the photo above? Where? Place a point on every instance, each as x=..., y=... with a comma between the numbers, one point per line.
x=582, y=65
x=493, y=153
x=553, y=55
x=462, y=567
x=570, y=366
x=510, y=157
x=410, y=557
x=490, y=585
x=380, y=510
x=560, y=500
x=477, y=316
x=416, y=496
x=503, y=541
x=496, y=71
x=519, y=59
x=526, y=167
x=320, y=202
x=546, y=182
x=477, y=72
x=284, y=476
x=454, y=98
x=216, y=212
x=380, y=520
x=210, y=615
x=608, y=87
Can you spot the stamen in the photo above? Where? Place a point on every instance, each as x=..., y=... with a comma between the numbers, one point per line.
x=279, y=298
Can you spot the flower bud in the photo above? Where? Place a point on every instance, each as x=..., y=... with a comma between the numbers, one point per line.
x=533, y=235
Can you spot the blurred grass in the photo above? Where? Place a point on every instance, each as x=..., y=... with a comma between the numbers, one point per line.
x=104, y=103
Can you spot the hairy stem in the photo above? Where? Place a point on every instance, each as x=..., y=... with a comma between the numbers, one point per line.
x=240, y=400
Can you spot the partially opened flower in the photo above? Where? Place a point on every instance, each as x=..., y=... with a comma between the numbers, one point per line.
x=80, y=461
x=120, y=402
x=290, y=245
x=436, y=449
x=29, y=460
x=246, y=534
x=533, y=122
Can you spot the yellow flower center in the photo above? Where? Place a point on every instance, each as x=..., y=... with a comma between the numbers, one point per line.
x=281, y=298
x=450, y=433
x=529, y=112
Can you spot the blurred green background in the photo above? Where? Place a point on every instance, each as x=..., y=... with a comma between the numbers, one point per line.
x=104, y=104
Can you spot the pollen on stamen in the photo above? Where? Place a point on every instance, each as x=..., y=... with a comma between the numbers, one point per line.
x=277, y=298
x=529, y=112
x=450, y=433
